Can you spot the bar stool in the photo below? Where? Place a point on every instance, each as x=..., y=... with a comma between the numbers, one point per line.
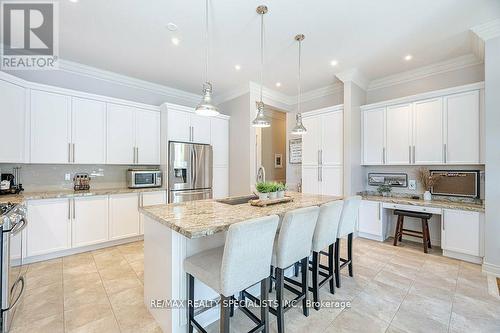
x=292, y=244
x=242, y=262
x=400, y=231
x=325, y=235
x=347, y=226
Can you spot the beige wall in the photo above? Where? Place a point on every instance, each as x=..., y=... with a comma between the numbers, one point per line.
x=273, y=142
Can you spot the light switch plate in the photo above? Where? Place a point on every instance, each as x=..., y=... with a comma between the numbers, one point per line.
x=67, y=176
x=412, y=184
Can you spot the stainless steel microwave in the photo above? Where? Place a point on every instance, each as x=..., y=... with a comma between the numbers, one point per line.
x=143, y=178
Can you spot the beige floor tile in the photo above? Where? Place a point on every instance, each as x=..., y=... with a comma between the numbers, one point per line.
x=114, y=286
x=431, y=291
x=475, y=307
x=43, y=277
x=91, y=318
x=41, y=304
x=351, y=320
x=73, y=283
x=391, y=277
x=80, y=259
x=49, y=265
x=474, y=323
x=94, y=294
x=77, y=270
x=108, y=258
x=381, y=307
x=119, y=270
x=50, y=324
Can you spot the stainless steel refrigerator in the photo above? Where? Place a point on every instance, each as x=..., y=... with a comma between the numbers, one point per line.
x=189, y=171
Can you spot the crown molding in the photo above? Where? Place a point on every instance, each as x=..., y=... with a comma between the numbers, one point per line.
x=488, y=30
x=425, y=71
x=355, y=76
x=321, y=92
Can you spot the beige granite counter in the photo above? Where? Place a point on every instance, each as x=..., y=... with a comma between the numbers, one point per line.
x=201, y=218
x=433, y=203
x=18, y=198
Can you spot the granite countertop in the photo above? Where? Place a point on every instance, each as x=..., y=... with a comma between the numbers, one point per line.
x=435, y=203
x=52, y=194
x=201, y=218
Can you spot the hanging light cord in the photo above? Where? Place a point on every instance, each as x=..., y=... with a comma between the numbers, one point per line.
x=261, y=54
x=299, y=87
x=208, y=40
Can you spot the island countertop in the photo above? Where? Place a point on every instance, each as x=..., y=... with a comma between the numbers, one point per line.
x=195, y=219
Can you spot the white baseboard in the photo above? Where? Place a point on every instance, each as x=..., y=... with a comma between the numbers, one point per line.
x=491, y=269
x=68, y=252
x=462, y=256
x=370, y=236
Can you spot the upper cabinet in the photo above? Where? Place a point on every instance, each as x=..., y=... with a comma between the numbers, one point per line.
x=13, y=112
x=441, y=127
x=147, y=136
x=186, y=126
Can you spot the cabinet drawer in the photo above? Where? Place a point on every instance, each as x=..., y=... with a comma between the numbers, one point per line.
x=411, y=208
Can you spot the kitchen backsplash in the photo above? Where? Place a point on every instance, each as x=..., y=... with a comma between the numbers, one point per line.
x=412, y=174
x=41, y=177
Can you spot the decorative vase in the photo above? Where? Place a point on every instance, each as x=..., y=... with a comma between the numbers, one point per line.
x=281, y=194
x=273, y=195
x=427, y=196
x=263, y=196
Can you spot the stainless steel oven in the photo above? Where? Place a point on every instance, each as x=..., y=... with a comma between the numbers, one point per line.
x=141, y=178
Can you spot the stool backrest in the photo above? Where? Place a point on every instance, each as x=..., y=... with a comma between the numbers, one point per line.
x=247, y=253
x=350, y=214
x=295, y=236
x=327, y=226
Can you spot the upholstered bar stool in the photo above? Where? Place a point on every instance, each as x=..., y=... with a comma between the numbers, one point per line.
x=292, y=244
x=243, y=261
x=347, y=226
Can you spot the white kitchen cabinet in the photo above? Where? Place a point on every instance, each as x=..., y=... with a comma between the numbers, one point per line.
x=428, y=132
x=461, y=232
x=311, y=141
x=89, y=220
x=14, y=129
x=123, y=215
x=147, y=134
x=50, y=128
x=220, y=184
x=151, y=199
x=462, y=128
x=374, y=136
x=179, y=125
x=399, y=134
x=310, y=179
x=331, y=180
x=200, y=127
x=332, y=138
x=220, y=141
x=370, y=221
x=49, y=226
x=120, y=134
x=88, y=131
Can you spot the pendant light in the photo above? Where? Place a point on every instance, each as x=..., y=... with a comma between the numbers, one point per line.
x=261, y=120
x=299, y=128
x=206, y=108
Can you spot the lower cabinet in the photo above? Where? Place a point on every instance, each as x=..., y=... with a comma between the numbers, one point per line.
x=49, y=226
x=370, y=221
x=325, y=180
x=123, y=215
x=461, y=232
x=220, y=183
x=150, y=199
x=89, y=220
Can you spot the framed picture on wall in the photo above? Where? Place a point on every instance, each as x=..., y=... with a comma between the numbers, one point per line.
x=278, y=161
x=295, y=151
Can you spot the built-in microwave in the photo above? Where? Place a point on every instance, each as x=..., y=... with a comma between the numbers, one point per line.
x=141, y=178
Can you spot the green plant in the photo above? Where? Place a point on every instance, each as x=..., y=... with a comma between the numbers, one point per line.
x=273, y=187
x=262, y=187
x=281, y=187
x=384, y=189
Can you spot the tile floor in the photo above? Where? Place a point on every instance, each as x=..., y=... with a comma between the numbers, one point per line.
x=395, y=289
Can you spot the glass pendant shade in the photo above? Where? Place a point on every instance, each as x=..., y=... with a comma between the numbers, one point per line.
x=299, y=128
x=260, y=120
x=206, y=108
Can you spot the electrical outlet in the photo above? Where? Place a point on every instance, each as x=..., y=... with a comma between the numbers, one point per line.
x=412, y=184
x=67, y=176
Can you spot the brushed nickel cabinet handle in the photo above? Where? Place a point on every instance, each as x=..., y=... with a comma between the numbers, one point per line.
x=69, y=209
x=409, y=154
x=69, y=152
x=414, y=155
x=74, y=209
x=378, y=212
x=445, y=153
x=73, y=145
x=383, y=155
x=137, y=155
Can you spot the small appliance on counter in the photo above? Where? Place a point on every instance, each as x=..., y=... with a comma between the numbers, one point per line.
x=81, y=182
x=9, y=183
x=143, y=178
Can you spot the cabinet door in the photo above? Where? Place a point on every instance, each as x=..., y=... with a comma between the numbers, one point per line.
x=89, y=220
x=220, y=182
x=428, y=131
x=88, y=131
x=13, y=115
x=331, y=180
x=151, y=199
x=373, y=136
x=311, y=141
x=220, y=141
x=147, y=135
x=120, y=134
x=460, y=232
x=399, y=134
x=123, y=215
x=462, y=130
x=201, y=129
x=369, y=221
x=310, y=179
x=49, y=226
x=332, y=138
x=50, y=127
x=179, y=126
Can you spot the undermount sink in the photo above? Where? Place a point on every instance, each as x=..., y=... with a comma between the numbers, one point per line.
x=238, y=200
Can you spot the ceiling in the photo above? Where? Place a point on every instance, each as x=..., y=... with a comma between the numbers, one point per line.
x=130, y=37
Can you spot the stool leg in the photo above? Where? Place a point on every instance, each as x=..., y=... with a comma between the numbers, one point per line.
x=279, y=285
x=190, y=302
x=428, y=234
x=315, y=285
x=296, y=269
x=424, y=236
x=337, y=263
x=331, y=270
x=305, y=285
x=401, y=226
x=396, y=231
x=349, y=253
x=224, y=314
x=231, y=310
x=264, y=310
x=271, y=273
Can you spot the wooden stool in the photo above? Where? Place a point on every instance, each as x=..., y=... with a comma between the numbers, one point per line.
x=400, y=231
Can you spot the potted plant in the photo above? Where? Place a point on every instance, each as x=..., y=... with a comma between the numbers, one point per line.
x=273, y=190
x=427, y=180
x=281, y=190
x=263, y=190
x=384, y=190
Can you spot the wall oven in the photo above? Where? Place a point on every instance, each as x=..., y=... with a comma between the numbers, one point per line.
x=143, y=178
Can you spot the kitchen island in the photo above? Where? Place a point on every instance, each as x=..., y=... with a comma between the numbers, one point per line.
x=173, y=232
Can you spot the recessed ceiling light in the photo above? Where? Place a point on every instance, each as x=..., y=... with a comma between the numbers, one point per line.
x=278, y=84
x=172, y=26
x=73, y=1
x=175, y=41
x=334, y=62
x=408, y=57
x=237, y=67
